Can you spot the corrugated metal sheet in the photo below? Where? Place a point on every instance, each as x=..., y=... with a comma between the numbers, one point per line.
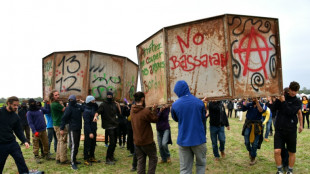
x=85, y=73
x=228, y=56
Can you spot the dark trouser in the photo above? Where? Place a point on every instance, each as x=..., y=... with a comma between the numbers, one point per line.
x=51, y=134
x=122, y=131
x=89, y=146
x=134, y=160
x=305, y=115
x=26, y=129
x=75, y=144
x=142, y=152
x=130, y=145
x=112, y=136
x=14, y=150
x=229, y=113
x=236, y=113
x=106, y=137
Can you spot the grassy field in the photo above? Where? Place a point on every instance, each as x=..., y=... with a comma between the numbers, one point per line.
x=236, y=160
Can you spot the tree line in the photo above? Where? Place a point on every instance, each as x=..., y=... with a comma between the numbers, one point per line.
x=40, y=99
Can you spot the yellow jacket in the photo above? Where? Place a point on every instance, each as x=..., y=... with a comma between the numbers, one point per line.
x=266, y=114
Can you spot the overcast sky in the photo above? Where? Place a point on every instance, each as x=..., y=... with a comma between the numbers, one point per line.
x=32, y=29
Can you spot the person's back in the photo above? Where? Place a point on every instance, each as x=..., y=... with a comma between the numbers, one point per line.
x=190, y=113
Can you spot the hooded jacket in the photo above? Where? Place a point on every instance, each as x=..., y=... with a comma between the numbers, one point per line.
x=190, y=113
x=88, y=116
x=36, y=118
x=287, y=113
x=72, y=116
x=141, y=119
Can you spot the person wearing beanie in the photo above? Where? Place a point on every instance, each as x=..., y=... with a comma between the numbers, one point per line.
x=36, y=121
x=90, y=130
x=110, y=111
x=73, y=117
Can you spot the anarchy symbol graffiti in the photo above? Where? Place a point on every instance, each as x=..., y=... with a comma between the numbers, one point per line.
x=248, y=47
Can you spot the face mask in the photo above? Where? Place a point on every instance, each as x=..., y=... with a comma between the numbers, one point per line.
x=109, y=99
x=33, y=107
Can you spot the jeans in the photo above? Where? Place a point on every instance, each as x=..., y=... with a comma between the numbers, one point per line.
x=51, y=134
x=163, y=138
x=268, y=125
x=251, y=147
x=217, y=133
x=187, y=154
x=14, y=150
x=142, y=152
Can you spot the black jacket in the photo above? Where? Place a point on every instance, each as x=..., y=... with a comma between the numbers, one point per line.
x=109, y=113
x=287, y=113
x=22, y=116
x=73, y=117
x=88, y=116
x=217, y=114
x=9, y=123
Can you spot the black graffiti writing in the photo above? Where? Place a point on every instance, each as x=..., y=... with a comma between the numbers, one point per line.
x=70, y=87
x=267, y=25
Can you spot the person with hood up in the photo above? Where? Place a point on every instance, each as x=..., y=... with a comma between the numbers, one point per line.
x=110, y=111
x=190, y=113
x=22, y=113
x=36, y=121
x=90, y=130
x=141, y=119
x=73, y=117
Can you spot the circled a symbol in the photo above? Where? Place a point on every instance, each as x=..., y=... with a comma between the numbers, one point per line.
x=253, y=37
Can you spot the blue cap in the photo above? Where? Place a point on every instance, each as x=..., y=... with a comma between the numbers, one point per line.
x=89, y=98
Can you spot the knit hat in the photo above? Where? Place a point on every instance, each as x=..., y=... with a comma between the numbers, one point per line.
x=89, y=98
x=31, y=101
x=72, y=97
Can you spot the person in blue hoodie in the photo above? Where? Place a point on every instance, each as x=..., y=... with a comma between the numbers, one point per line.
x=190, y=113
x=36, y=121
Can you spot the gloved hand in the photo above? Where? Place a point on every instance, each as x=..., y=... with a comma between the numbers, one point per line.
x=36, y=134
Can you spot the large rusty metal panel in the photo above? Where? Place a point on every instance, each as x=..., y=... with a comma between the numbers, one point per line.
x=255, y=52
x=106, y=74
x=197, y=54
x=71, y=72
x=227, y=56
x=152, y=64
x=48, y=75
x=131, y=80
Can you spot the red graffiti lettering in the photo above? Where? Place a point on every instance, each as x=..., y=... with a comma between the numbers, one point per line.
x=190, y=62
x=197, y=40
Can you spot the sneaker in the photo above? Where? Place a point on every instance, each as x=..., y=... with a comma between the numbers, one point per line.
x=74, y=166
x=93, y=160
x=223, y=154
x=289, y=172
x=216, y=159
x=37, y=158
x=279, y=172
x=133, y=169
x=266, y=139
x=253, y=161
x=87, y=163
x=168, y=160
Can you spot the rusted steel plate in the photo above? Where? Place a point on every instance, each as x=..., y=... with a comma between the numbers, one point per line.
x=153, y=69
x=48, y=75
x=106, y=74
x=131, y=79
x=255, y=50
x=196, y=53
x=71, y=72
